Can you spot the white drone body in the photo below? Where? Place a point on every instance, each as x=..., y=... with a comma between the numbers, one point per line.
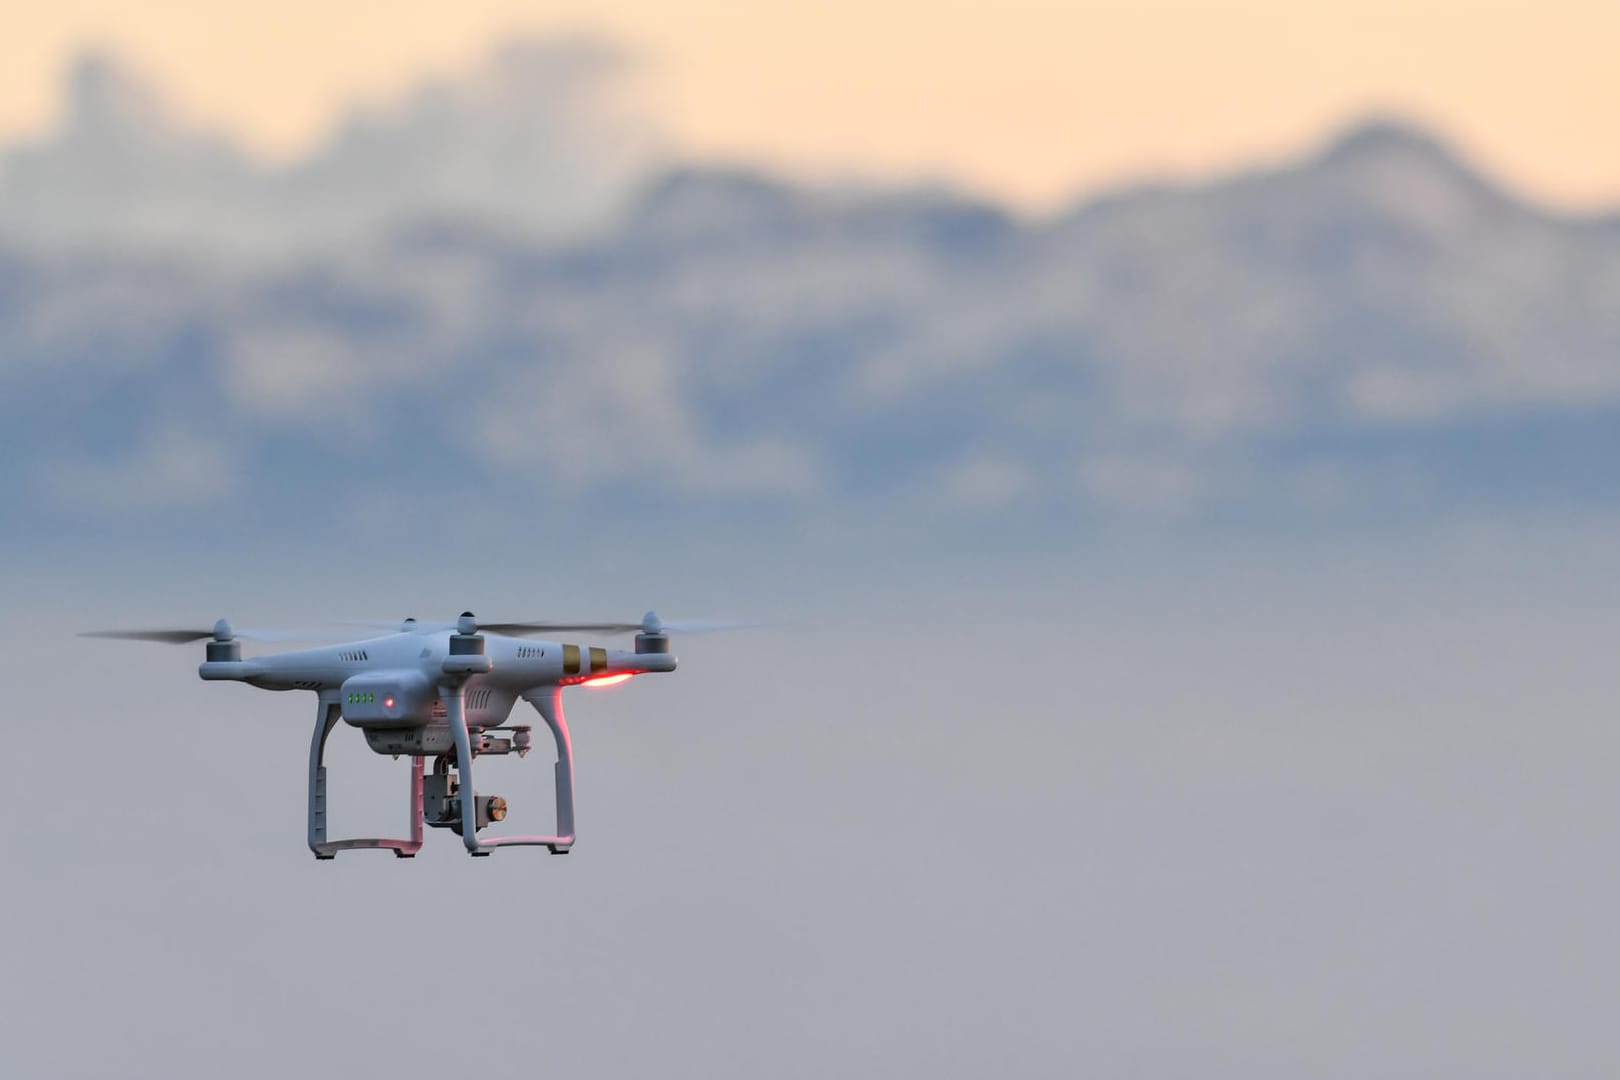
x=441, y=692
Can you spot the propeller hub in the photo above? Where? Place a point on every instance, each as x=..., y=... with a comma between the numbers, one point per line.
x=652, y=638
x=224, y=648
x=466, y=641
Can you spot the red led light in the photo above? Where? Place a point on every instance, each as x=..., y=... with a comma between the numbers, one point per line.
x=609, y=680
x=388, y=703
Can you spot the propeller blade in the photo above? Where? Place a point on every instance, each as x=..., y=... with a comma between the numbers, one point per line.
x=527, y=627
x=398, y=626
x=519, y=629
x=710, y=626
x=668, y=626
x=162, y=637
x=186, y=637
x=279, y=633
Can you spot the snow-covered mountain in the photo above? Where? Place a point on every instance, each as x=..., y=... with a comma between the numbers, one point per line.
x=541, y=139
x=1373, y=330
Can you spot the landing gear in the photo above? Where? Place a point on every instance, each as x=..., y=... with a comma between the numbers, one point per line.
x=548, y=703
x=437, y=799
x=327, y=715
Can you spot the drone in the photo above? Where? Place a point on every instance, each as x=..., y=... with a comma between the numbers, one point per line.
x=443, y=691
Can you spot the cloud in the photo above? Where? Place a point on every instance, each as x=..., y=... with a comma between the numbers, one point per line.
x=169, y=467
x=544, y=138
x=985, y=480
x=1278, y=342
x=621, y=417
x=289, y=372
x=1152, y=484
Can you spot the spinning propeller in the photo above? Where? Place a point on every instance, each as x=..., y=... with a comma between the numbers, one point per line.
x=221, y=631
x=650, y=623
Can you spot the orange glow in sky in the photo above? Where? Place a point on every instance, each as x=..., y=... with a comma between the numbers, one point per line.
x=1029, y=99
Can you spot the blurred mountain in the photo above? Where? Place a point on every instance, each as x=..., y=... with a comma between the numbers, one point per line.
x=1374, y=331
x=540, y=139
x=119, y=169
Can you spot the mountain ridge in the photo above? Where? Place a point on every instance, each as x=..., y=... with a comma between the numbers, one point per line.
x=534, y=139
x=1368, y=331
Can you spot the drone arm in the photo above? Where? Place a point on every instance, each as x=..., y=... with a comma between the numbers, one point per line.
x=232, y=670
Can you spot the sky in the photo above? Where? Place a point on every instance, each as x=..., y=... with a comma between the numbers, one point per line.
x=1027, y=99
x=1298, y=795
x=1247, y=815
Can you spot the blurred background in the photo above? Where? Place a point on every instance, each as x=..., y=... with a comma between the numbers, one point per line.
x=1173, y=444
